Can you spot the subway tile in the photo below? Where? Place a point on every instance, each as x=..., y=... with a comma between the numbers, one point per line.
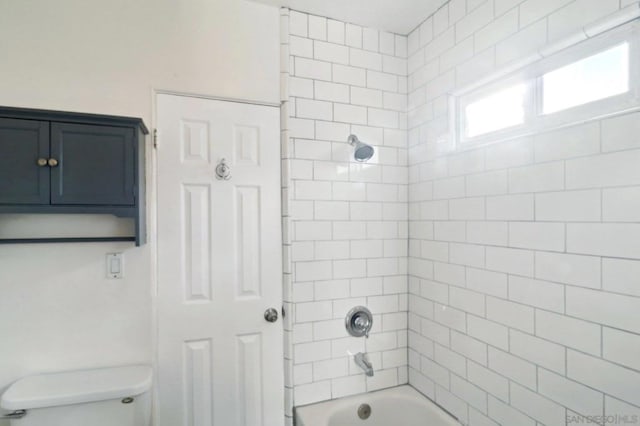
x=516, y=369
x=537, y=236
x=533, y=10
x=467, y=301
x=511, y=207
x=498, y=30
x=506, y=415
x=350, y=114
x=469, y=347
x=474, y=20
x=510, y=314
x=465, y=208
x=621, y=133
x=317, y=27
x=621, y=347
x=314, y=351
x=604, y=308
x=348, y=75
x=576, y=141
x=525, y=42
x=596, y=373
x=575, y=396
x=365, y=59
x=488, y=380
x=569, y=206
x=621, y=276
x=320, y=110
x=450, y=317
x=488, y=331
x=353, y=35
x=614, y=240
x=516, y=153
x=539, y=178
x=335, y=31
x=298, y=23
x=312, y=392
x=489, y=233
x=621, y=204
x=490, y=183
x=466, y=254
x=576, y=15
x=541, y=294
x=513, y=261
x=487, y=282
x=382, y=81
x=615, y=407
x=300, y=46
x=469, y=393
x=309, y=68
x=538, y=351
x=542, y=409
x=571, y=332
x=572, y=269
x=346, y=386
x=618, y=168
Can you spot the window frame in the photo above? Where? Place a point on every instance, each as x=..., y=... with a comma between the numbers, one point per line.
x=532, y=76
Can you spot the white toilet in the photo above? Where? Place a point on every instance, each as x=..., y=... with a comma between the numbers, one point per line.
x=117, y=396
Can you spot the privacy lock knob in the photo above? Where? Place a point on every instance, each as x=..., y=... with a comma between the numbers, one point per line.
x=271, y=315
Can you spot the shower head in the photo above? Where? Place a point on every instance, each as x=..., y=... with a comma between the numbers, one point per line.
x=362, y=151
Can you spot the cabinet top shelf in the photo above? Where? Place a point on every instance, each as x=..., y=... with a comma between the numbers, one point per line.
x=72, y=117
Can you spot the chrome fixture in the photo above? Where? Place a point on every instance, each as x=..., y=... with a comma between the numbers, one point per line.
x=223, y=171
x=363, y=152
x=364, y=411
x=271, y=315
x=18, y=414
x=359, y=321
x=363, y=362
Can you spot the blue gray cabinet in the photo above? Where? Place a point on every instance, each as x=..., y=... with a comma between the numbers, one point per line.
x=59, y=162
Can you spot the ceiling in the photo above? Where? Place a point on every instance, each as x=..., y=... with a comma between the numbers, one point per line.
x=398, y=16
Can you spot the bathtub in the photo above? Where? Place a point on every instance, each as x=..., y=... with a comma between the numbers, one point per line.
x=399, y=406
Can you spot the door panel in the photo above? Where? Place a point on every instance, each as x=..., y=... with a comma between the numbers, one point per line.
x=22, y=143
x=219, y=265
x=96, y=165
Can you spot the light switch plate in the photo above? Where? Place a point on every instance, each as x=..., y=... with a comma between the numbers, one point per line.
x=115, y=266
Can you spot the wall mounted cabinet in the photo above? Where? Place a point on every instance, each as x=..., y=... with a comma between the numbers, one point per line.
x=58, y=162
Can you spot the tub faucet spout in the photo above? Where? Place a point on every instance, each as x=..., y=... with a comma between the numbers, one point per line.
x=363, y=362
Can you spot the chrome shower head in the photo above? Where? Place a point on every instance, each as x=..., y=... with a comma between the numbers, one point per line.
x=362, y=151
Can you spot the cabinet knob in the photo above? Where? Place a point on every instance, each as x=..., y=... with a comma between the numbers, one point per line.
x=52, y=162
x=42, y=162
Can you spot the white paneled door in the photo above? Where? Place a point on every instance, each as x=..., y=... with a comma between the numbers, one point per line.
x=220, y=362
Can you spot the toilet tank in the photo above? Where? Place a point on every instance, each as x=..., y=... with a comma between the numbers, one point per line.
x=116, y=396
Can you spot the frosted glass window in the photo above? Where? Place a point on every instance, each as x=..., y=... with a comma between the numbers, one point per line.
x=597, y=77
x=500, y=110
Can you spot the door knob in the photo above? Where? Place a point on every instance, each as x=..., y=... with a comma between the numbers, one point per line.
x=271, y=315
x=42, y=162
x=53, y=162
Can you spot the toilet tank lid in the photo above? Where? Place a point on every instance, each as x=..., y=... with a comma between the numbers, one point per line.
x=77, y=387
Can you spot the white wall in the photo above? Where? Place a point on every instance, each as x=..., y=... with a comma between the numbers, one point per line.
x=56, y=309
x=524, y=257
x=345, y=223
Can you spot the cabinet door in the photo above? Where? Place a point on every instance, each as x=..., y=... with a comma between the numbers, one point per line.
x=96, y=165
x=22, y=143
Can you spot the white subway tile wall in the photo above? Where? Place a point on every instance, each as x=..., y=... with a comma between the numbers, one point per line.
x=524, y=256
x=516, y=299
x=345, y=222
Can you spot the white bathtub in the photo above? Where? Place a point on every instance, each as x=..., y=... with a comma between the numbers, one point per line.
x=399, y=406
